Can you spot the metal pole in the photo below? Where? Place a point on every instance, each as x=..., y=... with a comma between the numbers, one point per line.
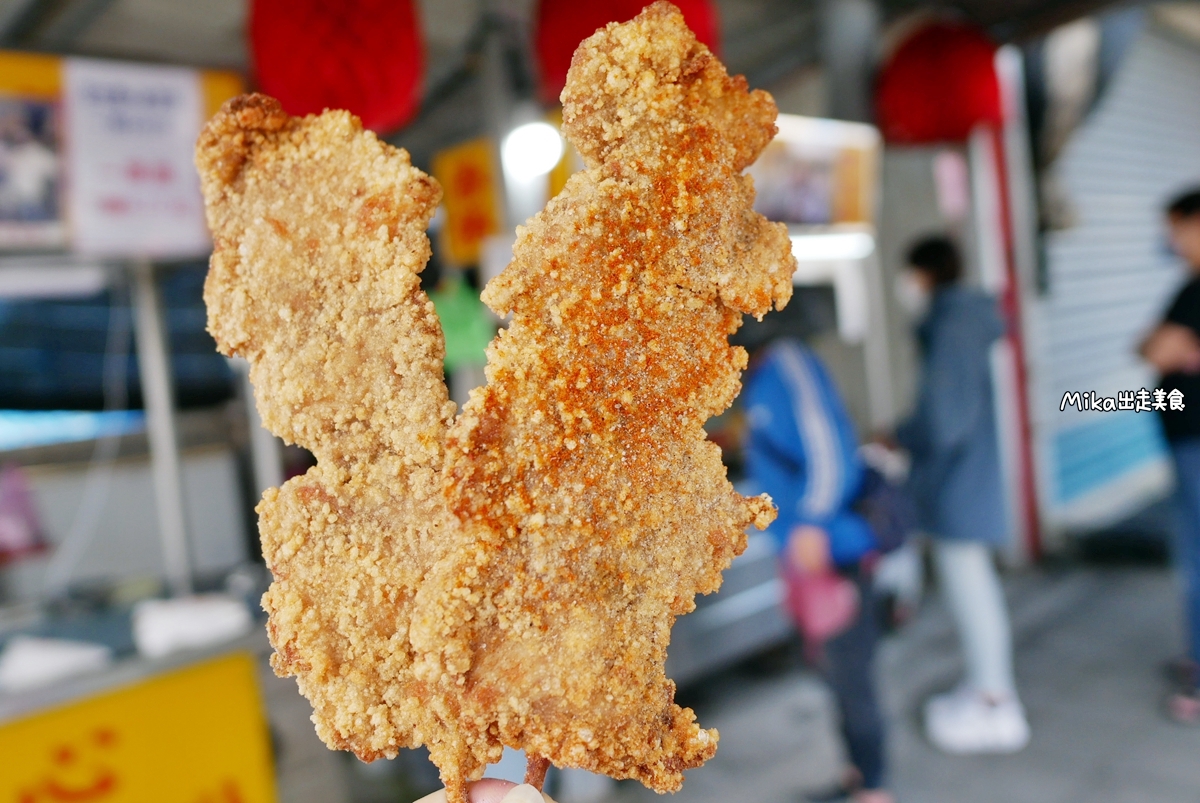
x=155, y=369
x=848, y=40
x=498, y=98
x=266, y=450
x=881, y=389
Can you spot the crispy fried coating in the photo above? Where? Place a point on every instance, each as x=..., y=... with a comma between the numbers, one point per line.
x=592, y=507
x=319, y=234
x=512, y=580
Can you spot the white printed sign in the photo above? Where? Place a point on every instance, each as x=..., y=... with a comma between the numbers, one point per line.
x=131, y=130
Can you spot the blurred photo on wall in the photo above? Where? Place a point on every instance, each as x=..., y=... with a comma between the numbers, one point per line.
x=30, y=175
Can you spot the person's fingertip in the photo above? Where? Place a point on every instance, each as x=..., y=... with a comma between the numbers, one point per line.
x=490, y=790
x=436, y=797
x=523, y=794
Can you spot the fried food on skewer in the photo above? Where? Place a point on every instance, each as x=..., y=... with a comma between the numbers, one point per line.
x=592, y=507
x=583, y=508
x=319, y=234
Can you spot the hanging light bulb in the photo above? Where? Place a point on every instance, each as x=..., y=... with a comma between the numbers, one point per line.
x=531, y=150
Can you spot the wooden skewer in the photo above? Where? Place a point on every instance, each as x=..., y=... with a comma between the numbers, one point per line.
x=457, y=791
x=535, y=771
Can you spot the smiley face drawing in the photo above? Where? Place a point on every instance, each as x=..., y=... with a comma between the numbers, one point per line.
x=228, y=793
x=79, y=773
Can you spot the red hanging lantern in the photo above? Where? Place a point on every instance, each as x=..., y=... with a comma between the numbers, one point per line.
x=939, y=84
x=560, y=25
x=362, y=55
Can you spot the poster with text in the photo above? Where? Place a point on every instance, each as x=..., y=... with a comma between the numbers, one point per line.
x=131, y=130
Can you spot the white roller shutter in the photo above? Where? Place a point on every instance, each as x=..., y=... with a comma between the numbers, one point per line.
x=1110, y=277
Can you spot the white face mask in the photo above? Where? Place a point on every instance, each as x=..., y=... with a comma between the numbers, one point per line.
x=912, y=294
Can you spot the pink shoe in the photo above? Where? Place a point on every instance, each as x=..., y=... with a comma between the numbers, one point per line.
x=873, y=796
x=1184, y=708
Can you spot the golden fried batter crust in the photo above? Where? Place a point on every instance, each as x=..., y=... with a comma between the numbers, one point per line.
x=592, y=507
x=513, y=580
x=319, y=236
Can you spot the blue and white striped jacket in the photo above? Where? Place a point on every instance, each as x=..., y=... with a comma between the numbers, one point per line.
x=801, y=448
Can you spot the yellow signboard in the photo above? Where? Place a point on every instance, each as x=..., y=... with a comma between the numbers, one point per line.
x=469, y=182
x=197, y=735
x=569, y=164
x=39, y=76
x=30, y=75
x=218, y=86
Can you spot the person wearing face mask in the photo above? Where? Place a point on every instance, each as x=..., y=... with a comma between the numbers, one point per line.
x=1173, y=347
x=956, y=484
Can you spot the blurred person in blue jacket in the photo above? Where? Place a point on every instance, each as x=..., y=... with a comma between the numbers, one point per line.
x=956, y=484
x=801, y=449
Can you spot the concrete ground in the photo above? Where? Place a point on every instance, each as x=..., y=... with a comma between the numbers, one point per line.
x=1091, y=644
